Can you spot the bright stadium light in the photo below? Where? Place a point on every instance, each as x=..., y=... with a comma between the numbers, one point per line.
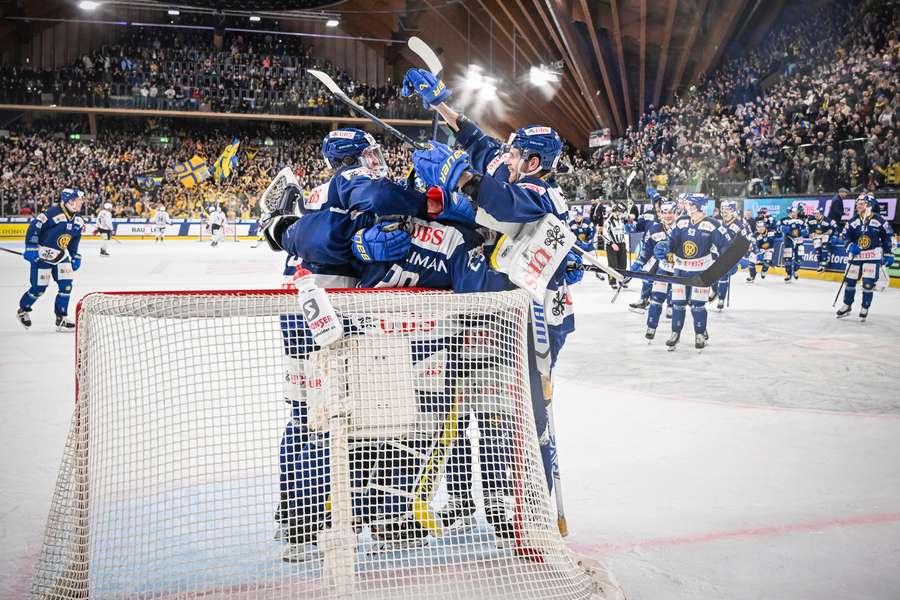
x=254, y=19
x=541, y=75
x=173, y=12
x=88, y=5
x=488, y=91
x=332, y=23
x=474, y=79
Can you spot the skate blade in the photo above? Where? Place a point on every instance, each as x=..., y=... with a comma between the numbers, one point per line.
x=301, y=553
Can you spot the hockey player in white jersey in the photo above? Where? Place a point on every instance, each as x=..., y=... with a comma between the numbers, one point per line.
x=105, y=228
x=161, y=220
x=216, y=221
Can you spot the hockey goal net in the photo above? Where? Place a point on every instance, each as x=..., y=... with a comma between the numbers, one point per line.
x=214, y=451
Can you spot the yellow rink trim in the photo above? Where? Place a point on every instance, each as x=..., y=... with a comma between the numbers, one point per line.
x=122, y=238
x=804, y=273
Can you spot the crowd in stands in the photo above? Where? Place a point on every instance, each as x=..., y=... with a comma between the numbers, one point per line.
x=166, y=69
x=827, y=119
x=36, y=165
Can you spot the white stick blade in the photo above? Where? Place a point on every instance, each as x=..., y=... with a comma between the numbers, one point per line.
x=424, y=51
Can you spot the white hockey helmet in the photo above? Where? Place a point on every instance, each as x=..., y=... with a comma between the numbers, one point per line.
x=107, y=206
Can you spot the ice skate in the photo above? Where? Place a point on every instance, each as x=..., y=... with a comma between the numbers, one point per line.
x=668, y=312
x=787, y=278
x=401, y=533
x=499, y=516
x=672, y=342
x=600, y=276
x=700, y=341
x=821, y=269
x=459, y=513
x=797, y=274
x=64, y=324
x=103, y=252
x=763, y=274
x=713, y=294
x=863, y=313
x=720, y=304
x=24, y=317
x=650, y=333
x=301, y=553
x=640, y=306
x=843, y=311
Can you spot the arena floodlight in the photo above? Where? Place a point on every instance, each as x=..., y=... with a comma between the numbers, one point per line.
x=332, y=23
x=174, y=13
x=88, y=5
x=542, y=75
x=488, y=91
x=254, y=19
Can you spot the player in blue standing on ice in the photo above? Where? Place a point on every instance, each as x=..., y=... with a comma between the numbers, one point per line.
x=794, y=230
x=820, y=231
x=641, y=225
x=584, y=232
x=691, y=242
x=762, y=249
x=51, y=246
x=871, y=245
x=655, y=252
x=735, y=226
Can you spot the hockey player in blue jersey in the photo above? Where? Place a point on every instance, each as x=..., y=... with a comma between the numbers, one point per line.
x=793, y=229
x=51, y=246
x=871, y=245
x=691, y=242
x=358, y=193
x=763, y=249
x=655, y=253
x=584, y=232
x=820, y=231
x=733, y=224
x=642, y=224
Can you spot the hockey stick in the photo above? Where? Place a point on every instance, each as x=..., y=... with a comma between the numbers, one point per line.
x=424, y=51
x=541, y=339
x=850, y=259
x=338, y=93
x=705, y=278
x=12, y=251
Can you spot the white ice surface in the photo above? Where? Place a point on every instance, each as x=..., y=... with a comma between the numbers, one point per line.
x=766, y=467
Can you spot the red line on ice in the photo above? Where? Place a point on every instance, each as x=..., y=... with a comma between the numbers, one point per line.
x=753, y=532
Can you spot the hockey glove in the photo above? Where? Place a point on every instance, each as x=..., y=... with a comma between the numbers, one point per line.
x=574, y=272
x=441, y=165
x=31, y=254
x=383, y=242
x=431, y=89
x=652, y=194
x=888, y=260
x=853, y=249
x=76, y=262
x=661, y=250
x=636, y=265
x=455, y=207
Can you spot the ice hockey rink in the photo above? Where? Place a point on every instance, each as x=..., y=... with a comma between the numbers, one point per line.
x=764, y=467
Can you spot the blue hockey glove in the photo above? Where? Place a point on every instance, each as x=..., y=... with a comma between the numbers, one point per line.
x=440, y=165
x=431, y=89
x=637, y=265
x=652, y=194
x=574, y=272
x=888, y=260
x=383, y=242
x=31, y=254
x=853, y=249
x=744, y=263
x=76, y=262
x=661, y=250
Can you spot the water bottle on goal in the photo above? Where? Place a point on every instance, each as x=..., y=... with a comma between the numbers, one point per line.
x=317, y=309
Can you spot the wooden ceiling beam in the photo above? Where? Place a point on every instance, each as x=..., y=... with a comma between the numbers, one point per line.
x=591, y=24
x=642, y=97
x=662, y=63
x=620, y=54
x=693, y=29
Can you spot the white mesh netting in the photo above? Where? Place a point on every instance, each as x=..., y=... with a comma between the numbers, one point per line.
x=215, y=452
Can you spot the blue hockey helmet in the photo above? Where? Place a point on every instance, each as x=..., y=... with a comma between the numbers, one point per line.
x=695, y=201
x=668, y=206
x=729, y=204
x=537, y=140
x=70, y=194
x=352, y=143
x=870, y=202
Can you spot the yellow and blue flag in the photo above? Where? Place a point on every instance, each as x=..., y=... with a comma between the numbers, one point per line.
x=227, y=160
x=192, y=172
